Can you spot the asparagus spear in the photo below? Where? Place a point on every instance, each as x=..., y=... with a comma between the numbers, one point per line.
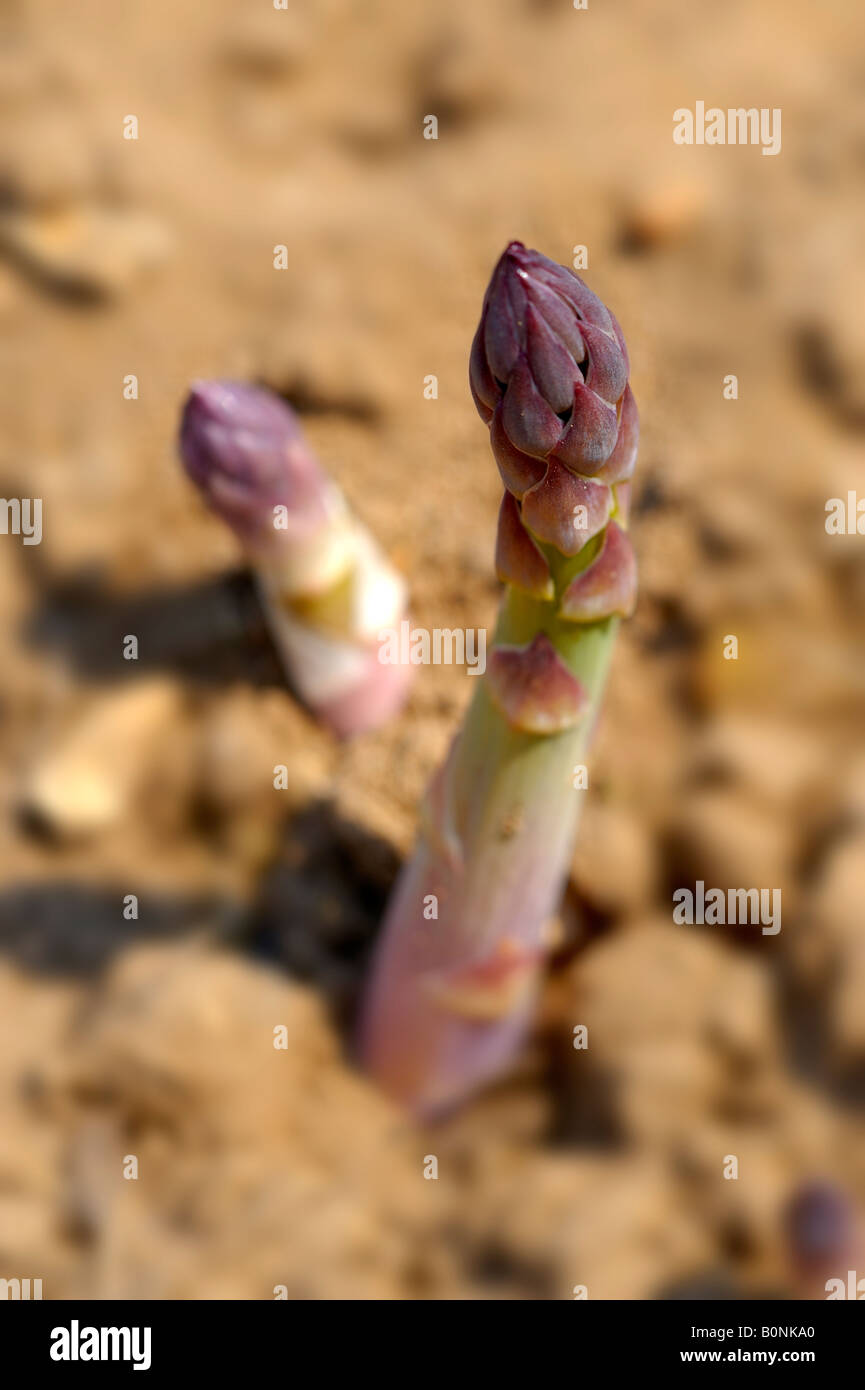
x=823, y=1239
x=326, y=588
x=467, y=929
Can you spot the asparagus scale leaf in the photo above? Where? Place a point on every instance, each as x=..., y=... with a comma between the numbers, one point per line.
x=468, y=927
x=327, y=590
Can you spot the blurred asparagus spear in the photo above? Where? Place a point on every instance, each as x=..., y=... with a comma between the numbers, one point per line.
x=326, y=588
x=467, y=929
x=823, y=1241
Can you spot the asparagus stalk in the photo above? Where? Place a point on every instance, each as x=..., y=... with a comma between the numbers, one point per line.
x=468, y=926
x=326, y=588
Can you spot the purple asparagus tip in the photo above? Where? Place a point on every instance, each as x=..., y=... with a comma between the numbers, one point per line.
x=821, y=1227
x=244, y=449
x=549, y=371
